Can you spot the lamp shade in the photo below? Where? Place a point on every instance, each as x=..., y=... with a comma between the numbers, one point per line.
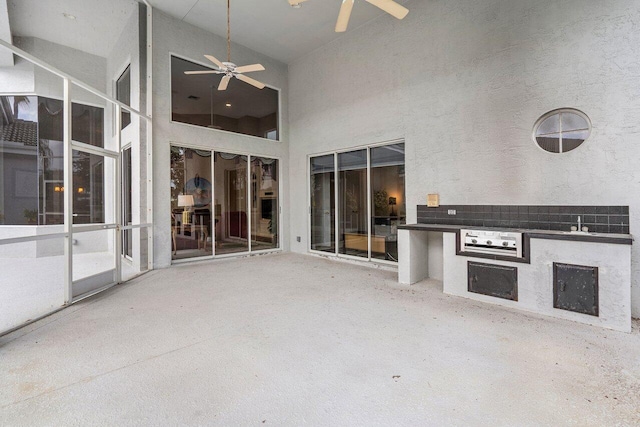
x=392, y=200
x=185, y=200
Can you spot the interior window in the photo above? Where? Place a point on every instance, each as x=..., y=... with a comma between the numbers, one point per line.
x=241, y=108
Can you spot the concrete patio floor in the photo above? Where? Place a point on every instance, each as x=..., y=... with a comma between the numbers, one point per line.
x=298, y=340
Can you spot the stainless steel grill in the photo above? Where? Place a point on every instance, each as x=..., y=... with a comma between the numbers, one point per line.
x=492, y=242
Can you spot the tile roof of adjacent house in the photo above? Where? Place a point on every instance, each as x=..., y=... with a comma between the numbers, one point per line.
x=20, y=131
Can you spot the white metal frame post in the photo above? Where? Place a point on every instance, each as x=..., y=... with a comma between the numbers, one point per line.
x=119, y=218
x=149, y=128
x=68, y=193
x=370, y=223
x=249, y=203
x=336, y=207
x=214, y=195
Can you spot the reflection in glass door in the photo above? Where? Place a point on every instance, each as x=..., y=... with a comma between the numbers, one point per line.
x=370, y=200
x=223, y=203
x=264, y=203
x=191, y=199
x=352, y=204
x=323, y=214
x=388, y=207
x=231, y=192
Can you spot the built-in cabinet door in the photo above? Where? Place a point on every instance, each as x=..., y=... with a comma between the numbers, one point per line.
x=576, y=288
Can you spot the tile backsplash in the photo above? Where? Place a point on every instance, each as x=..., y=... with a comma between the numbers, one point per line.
x=599, y=219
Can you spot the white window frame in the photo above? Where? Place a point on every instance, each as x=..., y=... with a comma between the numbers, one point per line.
x=560, y=112
x=336, y=253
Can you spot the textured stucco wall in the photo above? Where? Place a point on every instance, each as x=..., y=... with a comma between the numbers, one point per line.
x=126, y=52
x=171, y=36
x=463, y=83
x=18, y=78
x=83, y=66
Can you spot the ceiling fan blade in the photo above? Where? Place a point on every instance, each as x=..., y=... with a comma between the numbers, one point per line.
x=391, y=7
x=344, y=16
x=214, y=60
x=224, y=83
x=250, y=68
x=250, y=81
x=202, y=72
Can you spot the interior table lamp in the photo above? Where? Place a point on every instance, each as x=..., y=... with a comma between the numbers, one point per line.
x=186, y=201
x=392, y=203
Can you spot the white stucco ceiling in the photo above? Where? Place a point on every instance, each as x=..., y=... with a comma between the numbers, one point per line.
x=271, y=27
x=95, y=30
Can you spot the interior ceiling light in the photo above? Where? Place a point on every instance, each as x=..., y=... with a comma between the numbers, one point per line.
x=227, y=104
x=68, y=15
x=391, y=7
x=229, y=69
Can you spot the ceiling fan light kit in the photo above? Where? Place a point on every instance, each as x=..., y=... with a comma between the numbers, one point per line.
x=228, y=68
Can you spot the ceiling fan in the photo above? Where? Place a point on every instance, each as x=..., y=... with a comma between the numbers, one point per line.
x=228, y=68
x=389, y=6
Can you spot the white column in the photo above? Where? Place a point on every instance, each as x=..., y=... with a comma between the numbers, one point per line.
x=68, y=193
x=413, y=256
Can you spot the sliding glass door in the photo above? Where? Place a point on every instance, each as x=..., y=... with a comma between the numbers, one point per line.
x=223, y=203
x=265, y=207
x=323, y=202
x=231, y=191
x=191, y=196
x=369, y=195
x=388, y=207
x=353, y=231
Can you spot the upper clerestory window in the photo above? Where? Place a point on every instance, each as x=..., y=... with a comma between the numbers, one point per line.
x=241, y=108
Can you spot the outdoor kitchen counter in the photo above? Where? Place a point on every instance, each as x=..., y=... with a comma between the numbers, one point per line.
x=434, y=251
x=621, y=239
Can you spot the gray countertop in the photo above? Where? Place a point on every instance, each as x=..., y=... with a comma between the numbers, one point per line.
x=622, y=239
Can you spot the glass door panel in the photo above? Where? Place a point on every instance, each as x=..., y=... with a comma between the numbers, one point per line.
x=191, y=197
x=264, y=204
x=323, y=213
x=353, y=231
x=94, y=222
x=127, y=206
x=388, y=205
x=89, y=190
x=231, y=203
